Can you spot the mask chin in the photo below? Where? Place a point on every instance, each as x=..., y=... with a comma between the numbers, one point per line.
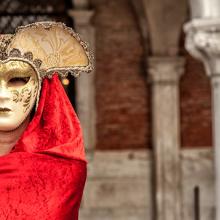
x=11, y=127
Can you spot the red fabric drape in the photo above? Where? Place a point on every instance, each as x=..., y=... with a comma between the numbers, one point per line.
x=44, y=175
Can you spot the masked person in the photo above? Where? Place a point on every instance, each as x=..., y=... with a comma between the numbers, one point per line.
x=42, y=159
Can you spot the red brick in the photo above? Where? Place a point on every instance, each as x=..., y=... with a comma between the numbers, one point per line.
x=123, y=116
x=195, y=94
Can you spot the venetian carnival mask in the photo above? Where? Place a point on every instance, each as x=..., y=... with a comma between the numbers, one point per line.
x=34, y=52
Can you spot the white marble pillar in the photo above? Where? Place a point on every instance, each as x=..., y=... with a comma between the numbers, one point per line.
x=85, y=84
x=203, y=42
x=165, y=74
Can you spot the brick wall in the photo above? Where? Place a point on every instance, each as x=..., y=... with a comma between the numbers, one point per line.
x=123, y=117
x=195, y=96
x=122, y=95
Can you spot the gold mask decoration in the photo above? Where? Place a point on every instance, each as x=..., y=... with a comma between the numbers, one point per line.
x=51, y=47
x=36, y=51
x=19, y=85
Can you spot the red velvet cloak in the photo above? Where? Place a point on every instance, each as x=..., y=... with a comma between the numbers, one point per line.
x=43, y=177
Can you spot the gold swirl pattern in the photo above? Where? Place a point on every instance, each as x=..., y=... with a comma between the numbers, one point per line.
x=23, y=96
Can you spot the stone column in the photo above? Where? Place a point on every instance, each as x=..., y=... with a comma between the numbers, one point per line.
x=203, y=42
x=85, y=85
x=165, y=74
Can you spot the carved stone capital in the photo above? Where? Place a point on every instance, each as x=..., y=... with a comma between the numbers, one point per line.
x=165, y=70
x=203, y=42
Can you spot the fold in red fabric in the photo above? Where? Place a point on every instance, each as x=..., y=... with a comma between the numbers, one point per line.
x=43, y=177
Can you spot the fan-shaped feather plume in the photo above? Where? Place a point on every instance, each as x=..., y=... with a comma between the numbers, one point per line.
x=57, y=47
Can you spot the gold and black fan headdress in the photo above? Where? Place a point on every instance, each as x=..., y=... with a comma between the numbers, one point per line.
x=49, y=47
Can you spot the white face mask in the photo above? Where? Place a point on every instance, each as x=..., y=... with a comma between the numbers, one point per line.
x=18, y=91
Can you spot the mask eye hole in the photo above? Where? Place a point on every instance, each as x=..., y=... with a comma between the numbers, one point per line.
x=18, y=81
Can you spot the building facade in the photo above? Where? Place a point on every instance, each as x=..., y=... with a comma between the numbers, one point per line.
x=153, y=157
x=146, y=109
